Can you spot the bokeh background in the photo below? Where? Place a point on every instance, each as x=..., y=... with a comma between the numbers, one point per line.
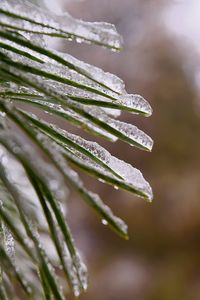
x=160, y=61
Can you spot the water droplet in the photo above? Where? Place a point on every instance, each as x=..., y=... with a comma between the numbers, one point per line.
x=104, y=222
x=76, y=293
x=101, y=180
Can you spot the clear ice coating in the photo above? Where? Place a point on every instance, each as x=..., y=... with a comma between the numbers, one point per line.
x=81, y=271
x=124, y=131
x=42, y=22
x=43, y=169
x=128, y=174
x=85, y=96
x=98, y=159
x=107, y=79
x=31, y=96
x=83, y=87
x=56, y=153
x=9, y=243
x=127, y=132
x=112, y=82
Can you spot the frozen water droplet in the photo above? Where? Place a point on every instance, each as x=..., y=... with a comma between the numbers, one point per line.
x=76, y=293
x=79, y=40
x=101, y=180
x=104, y=222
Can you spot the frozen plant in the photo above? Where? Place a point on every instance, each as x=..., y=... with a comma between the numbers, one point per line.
x=37, y=157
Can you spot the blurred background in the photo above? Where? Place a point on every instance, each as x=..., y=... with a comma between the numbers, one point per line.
x=160, y=61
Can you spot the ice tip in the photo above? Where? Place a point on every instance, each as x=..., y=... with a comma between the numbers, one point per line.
x=126, y=237
x=151, y=147
x=150, y=144
x=147, y=148
x=147, y=195
x=150, y=197
x=117, y=45
x=149, y=112
x=150, y=200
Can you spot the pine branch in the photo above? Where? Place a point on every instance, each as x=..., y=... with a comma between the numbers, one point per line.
x=80, y=94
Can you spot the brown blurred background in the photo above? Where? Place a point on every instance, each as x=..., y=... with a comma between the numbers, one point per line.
x=160, y=61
